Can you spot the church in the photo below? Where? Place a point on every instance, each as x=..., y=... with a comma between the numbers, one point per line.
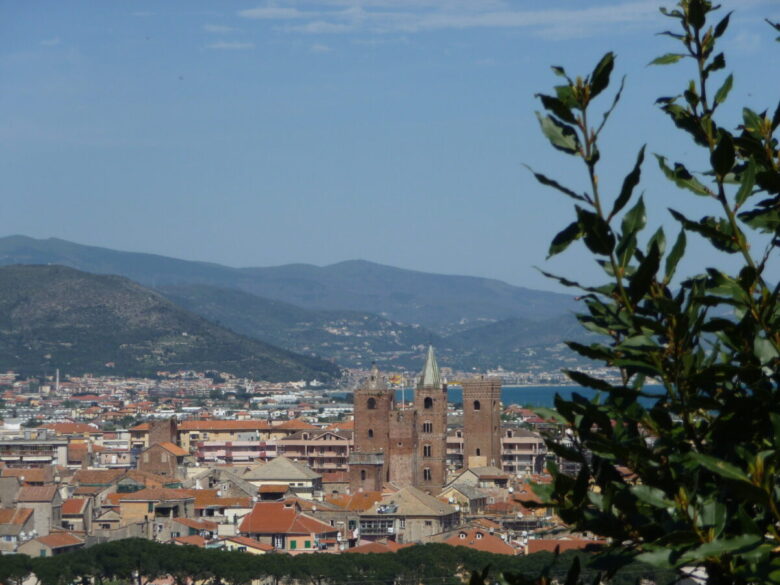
x=407, y=444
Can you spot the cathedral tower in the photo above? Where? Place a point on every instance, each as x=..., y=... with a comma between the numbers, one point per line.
x=482, y=422
x=430, y=402
x=373, y=405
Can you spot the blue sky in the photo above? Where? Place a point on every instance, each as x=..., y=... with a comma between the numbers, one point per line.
x=257, y=133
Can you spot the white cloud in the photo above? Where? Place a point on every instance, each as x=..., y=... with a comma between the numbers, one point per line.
x=230, y=46
x=320, y=48
x=273, y=12
x=218, y=28
x=53, y=42
x=415, y=16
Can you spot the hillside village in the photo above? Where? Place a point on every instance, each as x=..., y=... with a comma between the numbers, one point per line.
x=265, y=469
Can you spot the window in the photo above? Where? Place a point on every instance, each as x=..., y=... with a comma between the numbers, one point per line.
x=479, y=535
x=428, y=523
x=479, y=452
x=462, y=535
x=370, y=433
x=363, y=474
x=293, y=544
x=428, y=402
x=371, y=404
x=426, y=450
x=427, y=474
x=477, y=405
x=509, y=434
x=427, y=427
x=402, y=523
x=307, y=544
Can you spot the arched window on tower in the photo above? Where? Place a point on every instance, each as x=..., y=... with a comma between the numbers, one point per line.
x=426, y=450
x=427, y=474
x=363, y=474
x=428, y=403
x=371, y=404
x=477, y=405
x=370, y=433
x=427, y=427
x=479, y=452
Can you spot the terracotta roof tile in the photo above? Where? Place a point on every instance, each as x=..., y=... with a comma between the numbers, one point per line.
x=174, y=449
x=278, y=518
x=250, y=542
x=30, y=474
x=71, y=428
x=194, y=540
x=295, y=424
x=34, y=493
x=480, y=540
x=74, y=506
x=16, y=516
x=57, y=540
x=549, y=545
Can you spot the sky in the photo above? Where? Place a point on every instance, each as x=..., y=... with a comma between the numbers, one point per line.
x=263, y=133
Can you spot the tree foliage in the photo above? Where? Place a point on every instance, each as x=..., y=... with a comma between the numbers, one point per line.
x=135, y=561
x=690, y=480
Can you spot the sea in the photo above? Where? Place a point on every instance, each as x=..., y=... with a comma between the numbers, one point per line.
x=533, y=396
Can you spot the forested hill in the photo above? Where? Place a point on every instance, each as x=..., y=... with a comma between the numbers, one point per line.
x=53, y=316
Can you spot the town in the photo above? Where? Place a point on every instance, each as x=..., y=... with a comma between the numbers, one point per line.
x=213, y=462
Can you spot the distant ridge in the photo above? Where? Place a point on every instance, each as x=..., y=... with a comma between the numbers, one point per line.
x=443, y=303
x=60, y=317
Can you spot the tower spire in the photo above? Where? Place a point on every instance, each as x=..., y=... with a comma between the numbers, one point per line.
x=430, y=374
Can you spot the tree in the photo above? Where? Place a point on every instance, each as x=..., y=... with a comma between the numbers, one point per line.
x=705, y=454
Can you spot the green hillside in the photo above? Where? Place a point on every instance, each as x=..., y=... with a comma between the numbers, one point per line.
x=442, y=303
x=58, y=317
x=351, y=338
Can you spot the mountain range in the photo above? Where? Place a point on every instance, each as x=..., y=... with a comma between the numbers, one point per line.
x=443, y=303
x=352, y=312
x=54, y=316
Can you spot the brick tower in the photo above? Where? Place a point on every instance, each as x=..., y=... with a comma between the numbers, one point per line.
x=373, y=405
x=430, y=403
x=482, y=422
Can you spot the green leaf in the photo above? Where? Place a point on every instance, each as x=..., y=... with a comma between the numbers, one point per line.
x=722, y=546
x=764, y=350
x=721, y=27
x=667, y=59
x=653, y=496
x=681, y=177
x=723, y=91
x=599, y=79
x=640, y=281
x=548, y=182
x=598, y=236
x=752, y=122
x=561, y=136
x=629, y=184
x=557, y=107
x=635, y=220
x=658, y=557
x=587, y=381
x=564, y=238
x=717, y=231
x=720, y=467
x=722, y=158
x=674, y=256
x=747, y=181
